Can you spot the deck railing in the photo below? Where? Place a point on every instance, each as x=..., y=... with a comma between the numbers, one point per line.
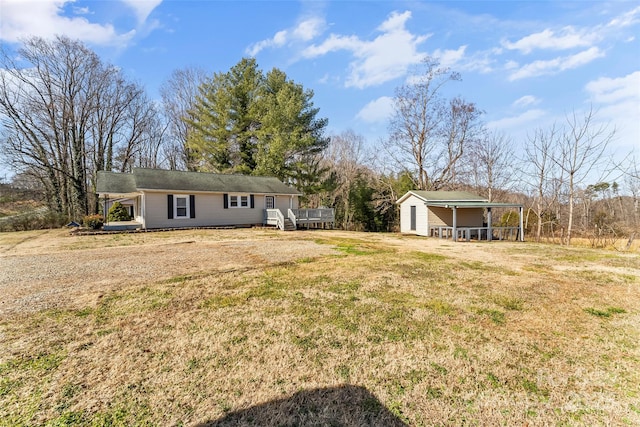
x=299, y=217
x=292, y=217
x=274, y=217
x=306, y=216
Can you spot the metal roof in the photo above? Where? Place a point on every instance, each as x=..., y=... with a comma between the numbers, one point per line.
x=472, y=204
x=458, y=199
x=165, y=180
x=444, y=196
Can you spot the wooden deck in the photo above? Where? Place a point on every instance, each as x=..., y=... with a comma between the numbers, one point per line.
x=295, y=218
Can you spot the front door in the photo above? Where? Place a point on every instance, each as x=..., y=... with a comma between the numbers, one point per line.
x=413, y=218
x=269, y=202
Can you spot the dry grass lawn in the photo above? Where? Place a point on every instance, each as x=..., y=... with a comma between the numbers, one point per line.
x=261, y=327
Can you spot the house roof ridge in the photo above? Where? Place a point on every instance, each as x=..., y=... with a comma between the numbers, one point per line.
x=207, y=173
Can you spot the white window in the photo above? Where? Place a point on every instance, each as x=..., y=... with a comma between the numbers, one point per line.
x=238, y=201
x=182, y=206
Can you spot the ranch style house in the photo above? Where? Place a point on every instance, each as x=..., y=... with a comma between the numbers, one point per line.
x=166, y=199
x=454, y=215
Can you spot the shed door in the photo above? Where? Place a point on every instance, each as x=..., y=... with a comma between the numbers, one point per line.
x=413, y=218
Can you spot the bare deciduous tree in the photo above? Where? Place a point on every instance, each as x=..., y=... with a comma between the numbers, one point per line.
x=178, y=94
x=64, y=115
x=429, y=134
x=491, y=164
x=582, y=150
x=542, y=171
x=344, y=159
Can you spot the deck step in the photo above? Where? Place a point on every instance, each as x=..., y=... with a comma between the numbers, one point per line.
x=289, y=225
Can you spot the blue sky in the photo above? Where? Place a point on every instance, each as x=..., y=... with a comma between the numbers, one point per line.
x=526, y=64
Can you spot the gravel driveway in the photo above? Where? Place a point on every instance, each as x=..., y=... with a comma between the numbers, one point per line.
x=35, y=281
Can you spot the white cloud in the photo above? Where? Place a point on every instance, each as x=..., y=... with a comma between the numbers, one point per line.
x=608, y=90
x=377, y=110
x=625, y=20
x=81, y=10
x=618, y=101
x=44, y=18
x=305, y=31
x=142, y=8
x=379, y=60
x=547, y=39
x=556, y=65
x=332, y=44
x=526, y=101
x=517, y=122
x=449, y=57
x=309, y=29
x=511, y=65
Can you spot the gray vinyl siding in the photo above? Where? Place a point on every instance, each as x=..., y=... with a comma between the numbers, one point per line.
x=421, y=216
x=283, y=203
x=209, y=209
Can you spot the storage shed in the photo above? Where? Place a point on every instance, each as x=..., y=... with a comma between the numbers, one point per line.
x=454, y=215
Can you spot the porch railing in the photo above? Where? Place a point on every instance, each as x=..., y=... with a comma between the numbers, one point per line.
x=274, y=217
x=299, y=217
x=479, y=233
x=292, y=217
x=308, y=216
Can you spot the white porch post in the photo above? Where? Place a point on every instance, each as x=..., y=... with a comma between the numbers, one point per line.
x=143, y=210
x=455, y=224
x=522, y=223
x=489, y=230
x=106, y=208
x=427, y=231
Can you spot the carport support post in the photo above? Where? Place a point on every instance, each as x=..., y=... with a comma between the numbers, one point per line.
x=522, y=223
x=455, y=224
x=489, y=229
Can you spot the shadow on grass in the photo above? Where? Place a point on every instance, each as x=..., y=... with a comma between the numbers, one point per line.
x=346, y=405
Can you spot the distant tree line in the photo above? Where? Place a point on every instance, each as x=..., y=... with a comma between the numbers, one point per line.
x=66, y=115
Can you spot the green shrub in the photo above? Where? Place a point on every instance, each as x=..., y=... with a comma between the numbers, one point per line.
x=510, y=219
x=93, y=222
x=117, y=212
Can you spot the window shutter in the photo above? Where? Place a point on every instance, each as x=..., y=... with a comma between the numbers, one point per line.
x=226, y=200
x=170, y=206
x=252, y=201
x=192, y=206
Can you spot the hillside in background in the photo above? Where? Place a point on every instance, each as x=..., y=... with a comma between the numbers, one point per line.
x=24, y=209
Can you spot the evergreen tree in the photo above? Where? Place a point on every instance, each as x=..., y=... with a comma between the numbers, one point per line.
x=118, y=212
x=246, y=122
x=224, y=120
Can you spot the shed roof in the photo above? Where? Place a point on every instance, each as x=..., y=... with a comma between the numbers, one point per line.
x=443, y=196
x=166, y=180
x=472, y=204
